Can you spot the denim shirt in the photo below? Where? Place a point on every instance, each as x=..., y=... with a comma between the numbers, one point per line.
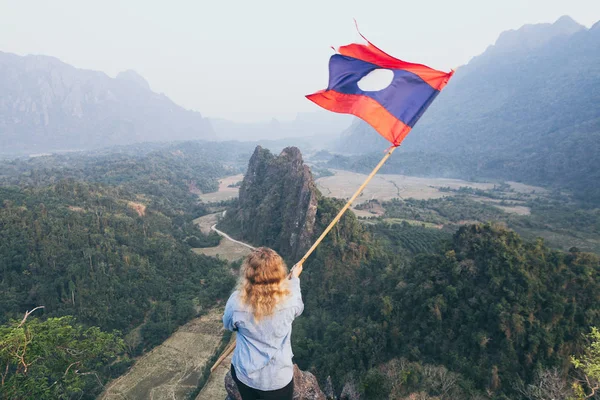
x=263, y=354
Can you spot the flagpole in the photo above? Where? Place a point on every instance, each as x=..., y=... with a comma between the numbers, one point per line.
x=231, y=347
x=348, y=204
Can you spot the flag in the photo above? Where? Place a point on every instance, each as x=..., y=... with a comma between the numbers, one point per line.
x=392, y=111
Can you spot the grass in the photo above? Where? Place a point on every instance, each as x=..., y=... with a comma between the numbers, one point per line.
x=173, y=369
x=225, y=192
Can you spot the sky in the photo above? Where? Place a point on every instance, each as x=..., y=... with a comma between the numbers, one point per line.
x=256, y=60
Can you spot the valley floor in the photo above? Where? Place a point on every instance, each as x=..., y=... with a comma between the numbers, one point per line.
x=384, y=187
x=173, y=369
x=214, y=389
x=225, y=192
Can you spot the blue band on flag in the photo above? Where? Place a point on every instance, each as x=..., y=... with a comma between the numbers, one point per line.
x=405, y=98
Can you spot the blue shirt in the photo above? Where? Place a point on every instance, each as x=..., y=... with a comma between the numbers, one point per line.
x=263, y=353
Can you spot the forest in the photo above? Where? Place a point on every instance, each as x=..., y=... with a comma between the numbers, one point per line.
x=495, y=310
x=435, y=308
x=103, y=244
x=394, y=307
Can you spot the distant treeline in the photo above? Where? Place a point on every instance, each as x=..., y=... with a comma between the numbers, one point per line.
x=548, y=169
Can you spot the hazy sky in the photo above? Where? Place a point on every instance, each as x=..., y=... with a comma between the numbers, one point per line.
x=252, y=60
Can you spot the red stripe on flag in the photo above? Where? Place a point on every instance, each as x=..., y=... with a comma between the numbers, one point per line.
x=370, y=53
x=365, y=108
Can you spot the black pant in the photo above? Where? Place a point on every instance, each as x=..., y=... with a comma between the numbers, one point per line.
x=248, y=393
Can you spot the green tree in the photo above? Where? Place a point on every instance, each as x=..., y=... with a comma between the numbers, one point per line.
x=589, y=365
x=54, y=359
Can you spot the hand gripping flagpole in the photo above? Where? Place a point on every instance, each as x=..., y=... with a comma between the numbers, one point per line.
x=387, y=155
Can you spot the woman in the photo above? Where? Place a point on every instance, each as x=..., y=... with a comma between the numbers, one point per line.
x=262, y=310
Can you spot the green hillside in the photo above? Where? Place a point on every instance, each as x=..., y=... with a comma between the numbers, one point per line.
x=488, y=306
x=478, y=301
x=102, y=241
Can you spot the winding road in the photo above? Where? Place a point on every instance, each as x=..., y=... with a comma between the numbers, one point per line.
x=226, y=236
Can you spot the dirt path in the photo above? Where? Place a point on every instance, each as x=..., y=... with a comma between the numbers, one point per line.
x=226, y=236
x=229, y=249
x=205, y=222
x=171, y=370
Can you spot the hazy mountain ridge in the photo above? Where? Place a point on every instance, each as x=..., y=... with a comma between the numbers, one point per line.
x=132, y=76
x=491, y=90
x=532, y=36
x=47, y=105
x=526, y=109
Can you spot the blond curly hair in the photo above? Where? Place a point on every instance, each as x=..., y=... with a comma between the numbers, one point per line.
x=263, y=282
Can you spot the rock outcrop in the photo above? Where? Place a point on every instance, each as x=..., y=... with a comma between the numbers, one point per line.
x=350, y=391
x=306, y=387
x=277, y=203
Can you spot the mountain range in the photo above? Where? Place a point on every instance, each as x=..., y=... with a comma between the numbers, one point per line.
x=47, y=105
x=526, y=109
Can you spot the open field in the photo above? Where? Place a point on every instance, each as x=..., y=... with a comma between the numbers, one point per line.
x=523, y=188
x=386, y=187
x=226, y=249
x=343, y=185
x=224, y=192
x=214, y=389
x=367, y=213
x=382, y=187
x=206, y=221
x=564, y=240
x=412, y=222
x=173, y=369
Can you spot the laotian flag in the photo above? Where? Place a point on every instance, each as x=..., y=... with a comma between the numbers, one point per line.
x=391, y=111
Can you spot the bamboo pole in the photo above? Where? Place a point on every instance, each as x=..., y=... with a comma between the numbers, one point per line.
x=348, y=204
x=231, y=347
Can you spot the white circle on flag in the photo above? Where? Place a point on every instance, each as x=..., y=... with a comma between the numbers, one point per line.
x=376, y=80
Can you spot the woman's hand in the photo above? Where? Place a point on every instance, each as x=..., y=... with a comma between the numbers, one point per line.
x=296, y=271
